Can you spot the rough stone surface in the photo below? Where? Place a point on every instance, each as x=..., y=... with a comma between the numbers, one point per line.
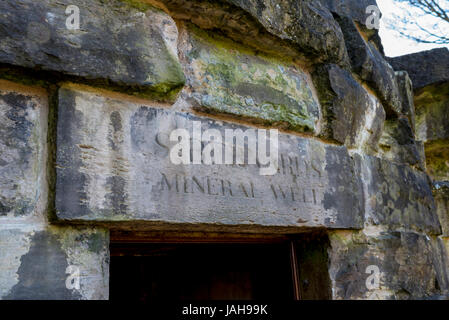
x=306, y=23
x=432, y=116
x=441, y=194
x=425, y=68
x=410, y=265
x=368, y=62
x=355, y=9
x=23, y=135
x=398, y=143
x=429, y=71
x=233, y=22
x=407, y=99
x=437, y=162
x=432, y=127
x=13, y=244
x=398, y=197
x=225, y=78
x=34, y=264
x=113, y=165
x=354, y=117
x=134, y=47
x=443, y=246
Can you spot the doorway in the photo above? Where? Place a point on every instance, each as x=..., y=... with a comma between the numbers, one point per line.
x=270, y=270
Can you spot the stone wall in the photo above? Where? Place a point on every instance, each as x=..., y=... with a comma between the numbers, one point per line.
x=87, y=113
x=429, y=72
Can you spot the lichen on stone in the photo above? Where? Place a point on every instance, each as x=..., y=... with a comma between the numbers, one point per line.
x=227, y=78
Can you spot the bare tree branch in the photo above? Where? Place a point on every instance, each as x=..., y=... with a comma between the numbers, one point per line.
x=416, y=25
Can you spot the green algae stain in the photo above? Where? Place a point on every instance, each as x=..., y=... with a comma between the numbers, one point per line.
x=436, y=159
x=234, y=80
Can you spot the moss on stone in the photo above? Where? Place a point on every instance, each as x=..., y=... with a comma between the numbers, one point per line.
x=140, y=5
x=437, y=159
x=238, y=81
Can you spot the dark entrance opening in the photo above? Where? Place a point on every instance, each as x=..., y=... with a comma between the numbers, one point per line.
x=276, y=270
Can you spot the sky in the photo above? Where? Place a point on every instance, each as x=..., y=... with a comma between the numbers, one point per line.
x=395, y=45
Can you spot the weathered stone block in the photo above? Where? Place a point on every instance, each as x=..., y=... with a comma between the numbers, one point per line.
x=398, y=197
x=441, y=194
x=354, y=9
x=442, y=244
x=354, y=116
x=408, y=265
x=224, y=79
x=113, y=164
x=306, y=23
x=232, y=22
x=432, y=113
x=432, y=127
x=133, y=46
x=437, y=159
x=425, y=67
x=398, y=143
x=367, y=61
x=23, y=141
x=38, y=264
x=405, y=86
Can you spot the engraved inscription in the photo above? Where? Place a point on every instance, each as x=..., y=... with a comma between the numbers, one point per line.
x=121, y=171
x=207, y=186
